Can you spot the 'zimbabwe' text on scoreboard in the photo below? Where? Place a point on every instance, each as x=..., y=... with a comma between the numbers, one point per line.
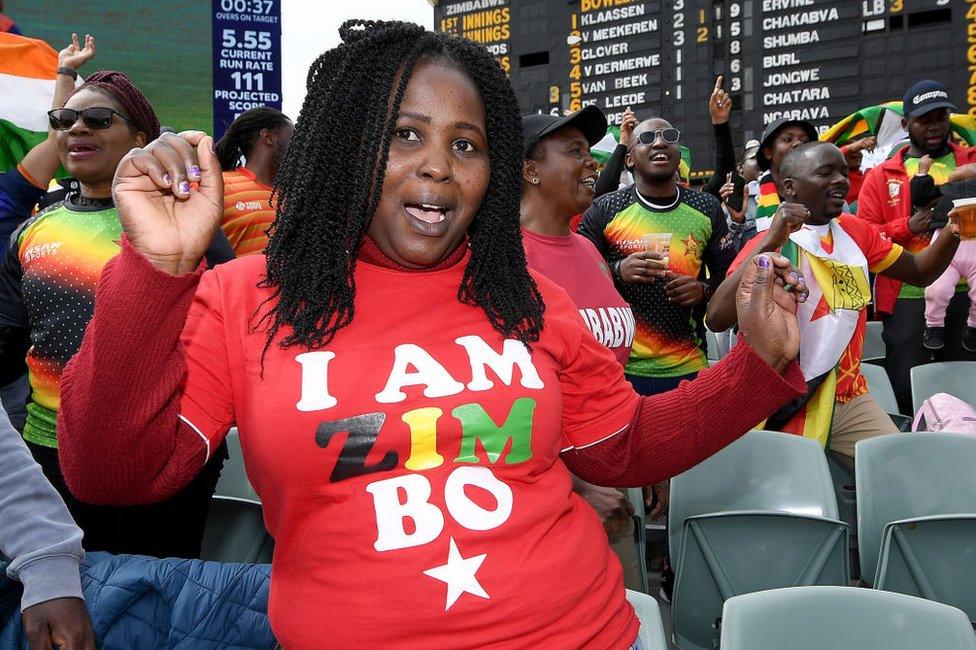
x=817, y=60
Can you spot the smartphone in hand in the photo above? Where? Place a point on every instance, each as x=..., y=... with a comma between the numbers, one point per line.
x=735, y=199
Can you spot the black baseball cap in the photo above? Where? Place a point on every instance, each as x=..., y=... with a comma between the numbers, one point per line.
x=924, y=96
x=589, y=119
x=770, y=134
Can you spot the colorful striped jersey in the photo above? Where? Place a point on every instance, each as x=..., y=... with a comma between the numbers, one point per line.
x=247, y=212
x=48, y=284
x=666, y=343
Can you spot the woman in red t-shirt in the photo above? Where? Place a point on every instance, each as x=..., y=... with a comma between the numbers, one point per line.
x=410, y=398
x=558, y=182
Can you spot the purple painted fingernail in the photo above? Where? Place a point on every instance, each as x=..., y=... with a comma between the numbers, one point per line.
x=763, y=262
x=794, y=277
x=194, y=172
x=167, y=179
x=185, y=187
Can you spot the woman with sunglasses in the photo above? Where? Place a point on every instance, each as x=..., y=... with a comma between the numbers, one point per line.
x=20, y=190
x=47, y=285
x=410, y=398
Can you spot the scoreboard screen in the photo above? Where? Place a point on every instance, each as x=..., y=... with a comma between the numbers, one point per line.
x=816, y=60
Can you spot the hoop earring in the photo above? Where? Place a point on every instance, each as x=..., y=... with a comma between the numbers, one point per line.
x=535, y=181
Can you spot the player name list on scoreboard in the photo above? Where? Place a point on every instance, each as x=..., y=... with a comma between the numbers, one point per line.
x=814, y=60
x=802, y=60
x=614, y=56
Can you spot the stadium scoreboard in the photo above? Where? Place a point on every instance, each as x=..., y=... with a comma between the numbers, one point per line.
x=817, y=60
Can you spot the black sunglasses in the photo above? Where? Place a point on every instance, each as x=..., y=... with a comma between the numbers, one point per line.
x=670, y=136
x=96, y=117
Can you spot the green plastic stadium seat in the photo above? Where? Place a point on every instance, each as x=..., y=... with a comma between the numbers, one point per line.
x=931, y=557
x=874, y=347
x=841, y=618
x=763, y=470
x=908, y=475
x=732, y=553
x=651, y=626
x=235, y=532
x=957, y=378
x=879, y=385
x=233, y=478
x=636, y=497
x=759, y=514
x=843, y=480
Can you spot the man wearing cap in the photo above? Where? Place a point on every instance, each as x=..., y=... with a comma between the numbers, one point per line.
x=780, y=137
x=886, y=200
x=663, y=288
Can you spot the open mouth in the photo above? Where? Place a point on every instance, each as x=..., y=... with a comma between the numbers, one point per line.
x=427, y=212
x=429, y=219
x=837, y=195
x=82, y=149
x=589, y=181
x=660, y=159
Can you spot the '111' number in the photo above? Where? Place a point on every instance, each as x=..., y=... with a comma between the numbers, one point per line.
x=249, y=80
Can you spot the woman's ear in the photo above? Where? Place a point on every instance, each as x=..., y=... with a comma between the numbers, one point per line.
x=141, y=139
x=530, y=172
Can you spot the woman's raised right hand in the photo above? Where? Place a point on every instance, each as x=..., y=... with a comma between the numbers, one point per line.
x=169, y=195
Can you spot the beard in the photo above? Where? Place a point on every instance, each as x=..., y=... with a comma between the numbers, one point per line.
x=931, y=151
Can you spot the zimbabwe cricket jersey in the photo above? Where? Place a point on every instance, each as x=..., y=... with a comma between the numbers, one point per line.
x=666, y=343
x=48, y=284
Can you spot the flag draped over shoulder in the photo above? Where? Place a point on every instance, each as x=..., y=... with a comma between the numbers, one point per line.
x=838, y=283
x=28, y=68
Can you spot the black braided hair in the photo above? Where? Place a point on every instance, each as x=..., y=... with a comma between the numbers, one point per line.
x=242, y=133
x=331, y=179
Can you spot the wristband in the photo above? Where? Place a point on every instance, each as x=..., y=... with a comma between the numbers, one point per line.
x=707, y=288
x=615, y=270
x=71, y=72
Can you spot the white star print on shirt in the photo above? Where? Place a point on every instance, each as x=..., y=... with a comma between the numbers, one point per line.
x=459, y=576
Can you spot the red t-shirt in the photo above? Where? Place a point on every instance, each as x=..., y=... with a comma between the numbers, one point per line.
x=410, y=469
x=574, y=263
x=880, y=253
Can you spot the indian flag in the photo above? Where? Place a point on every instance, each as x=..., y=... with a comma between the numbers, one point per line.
x=28, y=68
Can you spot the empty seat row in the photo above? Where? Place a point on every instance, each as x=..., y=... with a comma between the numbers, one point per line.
x=762, y=514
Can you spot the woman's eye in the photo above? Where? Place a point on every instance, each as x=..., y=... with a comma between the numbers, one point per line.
x=407, y=134
x=464, y=146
